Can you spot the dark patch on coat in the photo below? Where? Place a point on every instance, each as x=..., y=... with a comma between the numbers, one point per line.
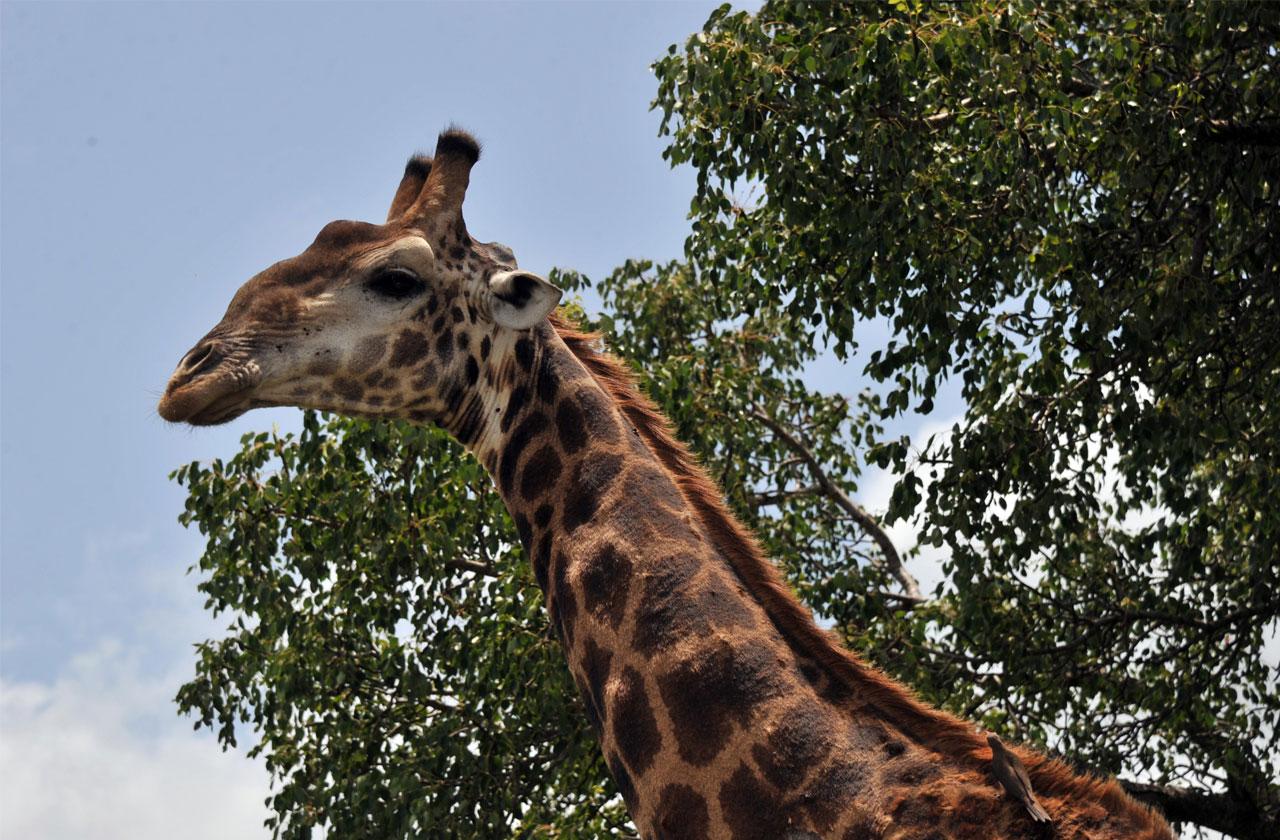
x=922, y=809
x=751, y=809
x=570, y=426
x=530, y=427
x=722, y=605
x=828, y=795
x=515, y=402
x=591, y=478
x=912, y=771
x=598, y=415
x=715, y=688
x=522, y=528
x=322, y=366
x=547, y=383
x=524, y=353
x=811, y=673
x=596, y=664
x=975, y=808
x=368, y=351
x=540, y=473
x=667, y=610
x=593, y=716
x=654, y=486
x=425, y=377
x=541, y=560
x=348, y=389
x=801, y=739
x=836, y=692
x=672, y=607
x=453, y=400
x=566, y=603
x=635, y=730
x=444, y=347
x=659, y=524
x=472, y=418
x=606, y=580
x=409, y=348
x=681, y=814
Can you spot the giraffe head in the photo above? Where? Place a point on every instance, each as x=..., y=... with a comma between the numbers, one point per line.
x=384, y=320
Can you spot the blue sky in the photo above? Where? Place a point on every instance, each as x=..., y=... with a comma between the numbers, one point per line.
x=153, y=158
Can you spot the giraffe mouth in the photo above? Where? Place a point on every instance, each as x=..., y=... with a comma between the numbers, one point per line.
x=218, y=394
x=224, y=409
x=205, y=406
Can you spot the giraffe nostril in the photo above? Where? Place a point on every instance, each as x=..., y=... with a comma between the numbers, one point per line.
x=201, y=359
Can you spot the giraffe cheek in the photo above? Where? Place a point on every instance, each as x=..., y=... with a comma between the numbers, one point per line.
x=410, y=347
x=368, y=352
x=322, y=364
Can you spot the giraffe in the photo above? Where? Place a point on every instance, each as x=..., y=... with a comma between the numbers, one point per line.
x=722, y=709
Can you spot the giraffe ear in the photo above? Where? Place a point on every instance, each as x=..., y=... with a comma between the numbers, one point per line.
x=521, y=300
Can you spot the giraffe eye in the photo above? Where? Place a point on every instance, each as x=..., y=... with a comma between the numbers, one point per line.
x=395, y=283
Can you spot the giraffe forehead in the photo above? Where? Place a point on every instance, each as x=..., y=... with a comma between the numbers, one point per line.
x=411, y=249
x=338, y=247
x=344, y=235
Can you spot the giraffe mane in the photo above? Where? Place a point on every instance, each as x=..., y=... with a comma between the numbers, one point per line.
x=895, y=703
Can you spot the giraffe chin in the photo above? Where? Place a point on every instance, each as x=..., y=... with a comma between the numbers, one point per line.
x=219, y=413
x=198, y=407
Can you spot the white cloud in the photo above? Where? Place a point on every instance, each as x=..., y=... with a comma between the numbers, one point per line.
x=100, y=752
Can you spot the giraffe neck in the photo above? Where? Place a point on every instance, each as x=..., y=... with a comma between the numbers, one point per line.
x=712, y=721
x=678, y=666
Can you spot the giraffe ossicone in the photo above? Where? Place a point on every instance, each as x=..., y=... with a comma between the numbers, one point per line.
x=723, y=711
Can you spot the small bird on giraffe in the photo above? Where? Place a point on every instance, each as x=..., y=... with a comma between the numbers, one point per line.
x=1012, y=775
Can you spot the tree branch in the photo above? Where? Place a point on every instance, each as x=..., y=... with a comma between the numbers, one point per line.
x=868, y=522
x=479, y=568
x=1217, y=811
x=762, y=499
x=1261, y=133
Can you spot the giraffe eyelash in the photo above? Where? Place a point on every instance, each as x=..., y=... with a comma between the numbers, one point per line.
x=396, y=283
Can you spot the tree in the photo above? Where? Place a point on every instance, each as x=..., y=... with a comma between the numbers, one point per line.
x=1070, y=211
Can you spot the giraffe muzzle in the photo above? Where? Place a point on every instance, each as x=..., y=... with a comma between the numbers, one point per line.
x=211, y=385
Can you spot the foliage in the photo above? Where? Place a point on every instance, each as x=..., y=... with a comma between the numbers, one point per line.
x=1070, y=211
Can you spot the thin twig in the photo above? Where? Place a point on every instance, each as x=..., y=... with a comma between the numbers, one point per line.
x=868, y=522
